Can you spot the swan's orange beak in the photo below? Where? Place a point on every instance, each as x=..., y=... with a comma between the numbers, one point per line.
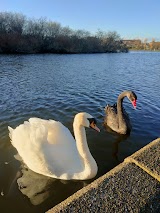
x=93, y=126
x=134, y=103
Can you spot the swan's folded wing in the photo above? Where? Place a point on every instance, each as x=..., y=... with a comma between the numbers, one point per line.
x=111, y=110
x=46, y=147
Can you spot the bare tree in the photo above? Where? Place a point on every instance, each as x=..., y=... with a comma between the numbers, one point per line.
x=11, y=22
x=19, y=34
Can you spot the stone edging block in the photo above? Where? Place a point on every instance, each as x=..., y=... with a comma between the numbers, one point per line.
x=148, y=158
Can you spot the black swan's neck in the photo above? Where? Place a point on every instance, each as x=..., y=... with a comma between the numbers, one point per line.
x=120, y=107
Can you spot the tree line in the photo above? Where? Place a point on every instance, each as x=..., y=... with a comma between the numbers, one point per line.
x=19, y=34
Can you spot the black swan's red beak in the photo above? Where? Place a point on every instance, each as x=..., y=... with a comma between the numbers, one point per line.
x=134, y=103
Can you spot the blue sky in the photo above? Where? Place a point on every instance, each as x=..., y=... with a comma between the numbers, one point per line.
x=130, y=18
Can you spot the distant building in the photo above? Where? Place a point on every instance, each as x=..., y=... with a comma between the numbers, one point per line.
x=135, y=43
x=139, y=45
x=154, y=45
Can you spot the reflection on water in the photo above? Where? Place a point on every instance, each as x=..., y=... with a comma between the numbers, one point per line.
x=36, y=187
x=39, y=188
x=115, y=149
x=41, y=192
x=59, y=86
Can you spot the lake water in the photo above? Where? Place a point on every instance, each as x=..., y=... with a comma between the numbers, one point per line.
x=59, y=86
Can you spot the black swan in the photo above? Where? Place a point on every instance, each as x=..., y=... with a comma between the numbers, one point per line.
x=116, y=117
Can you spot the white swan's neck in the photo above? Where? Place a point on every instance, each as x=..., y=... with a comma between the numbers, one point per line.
x=81, y=141
x=89, y=163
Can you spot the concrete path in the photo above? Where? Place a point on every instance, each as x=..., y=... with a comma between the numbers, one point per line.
x=133, y=186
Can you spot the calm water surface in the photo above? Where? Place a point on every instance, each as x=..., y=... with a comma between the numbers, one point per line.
x=59, y=86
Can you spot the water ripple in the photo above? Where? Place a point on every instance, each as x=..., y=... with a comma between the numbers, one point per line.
x=59, y=86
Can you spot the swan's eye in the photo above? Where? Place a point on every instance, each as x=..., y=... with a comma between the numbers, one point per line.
x=92, y=120
x=93, y=126
x=133, y=96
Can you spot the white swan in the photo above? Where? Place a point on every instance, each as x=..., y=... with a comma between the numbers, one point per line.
x=47, y=147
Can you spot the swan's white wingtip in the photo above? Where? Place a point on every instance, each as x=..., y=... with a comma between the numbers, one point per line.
x=10, y=129
x=10, y=132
